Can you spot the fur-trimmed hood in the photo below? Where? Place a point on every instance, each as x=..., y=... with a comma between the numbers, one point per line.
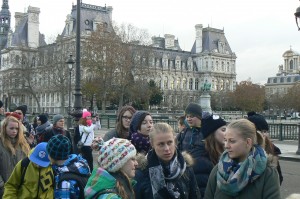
x=143, y=162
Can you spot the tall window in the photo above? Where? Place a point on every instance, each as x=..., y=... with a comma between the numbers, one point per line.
x=184, y=83
x=196, y=84
x=191, y=84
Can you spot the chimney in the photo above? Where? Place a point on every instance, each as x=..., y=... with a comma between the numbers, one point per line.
x=169, y=41
x=33, y=27
x=18, y=17
x=198, y=28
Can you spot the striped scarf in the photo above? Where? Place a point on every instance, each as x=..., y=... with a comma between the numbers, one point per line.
x=232, y=177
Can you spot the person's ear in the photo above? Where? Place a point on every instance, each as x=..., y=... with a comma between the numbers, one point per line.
x=249, y=142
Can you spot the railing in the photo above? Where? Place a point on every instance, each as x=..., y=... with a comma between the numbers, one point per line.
x=277, y=131
x=284, y=131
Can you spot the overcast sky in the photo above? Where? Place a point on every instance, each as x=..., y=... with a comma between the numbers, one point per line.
x=258, y=31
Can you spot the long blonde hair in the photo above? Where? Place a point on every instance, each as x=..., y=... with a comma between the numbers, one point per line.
x=20, y=139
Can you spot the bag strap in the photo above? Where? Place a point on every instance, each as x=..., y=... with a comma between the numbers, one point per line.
x=82, y=135
x=24, y=164
x=104, y=192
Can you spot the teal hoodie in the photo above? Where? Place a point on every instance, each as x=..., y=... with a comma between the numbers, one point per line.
x=102, y=181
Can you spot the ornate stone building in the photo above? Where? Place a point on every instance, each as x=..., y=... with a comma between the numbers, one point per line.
x=180, y=74
x=287, y=76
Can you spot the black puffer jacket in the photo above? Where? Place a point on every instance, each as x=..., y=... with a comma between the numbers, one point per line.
x=191, y=141
x=184, y=184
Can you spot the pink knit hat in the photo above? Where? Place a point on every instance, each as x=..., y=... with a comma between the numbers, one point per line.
x=85, y=113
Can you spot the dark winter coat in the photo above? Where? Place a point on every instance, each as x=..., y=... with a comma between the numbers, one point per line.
x=191, y=140
x=186, y=183
x=265, y=187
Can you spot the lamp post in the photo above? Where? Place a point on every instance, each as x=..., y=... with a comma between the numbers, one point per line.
x=297, y=16
x=77, y=113
x=70, y=63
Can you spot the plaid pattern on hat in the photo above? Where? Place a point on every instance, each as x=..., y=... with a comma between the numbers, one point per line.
x=59, y=147
x=114, y=154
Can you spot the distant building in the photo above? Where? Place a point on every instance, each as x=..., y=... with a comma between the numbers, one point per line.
x=288, y=74
x=180, y=74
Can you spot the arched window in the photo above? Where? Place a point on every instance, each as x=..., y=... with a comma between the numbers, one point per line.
x=17, y=59
x=197, y=84
x=291, y=65
x=184, y=83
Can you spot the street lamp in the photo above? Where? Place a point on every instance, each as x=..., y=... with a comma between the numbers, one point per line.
x=77, y=113
x=70, y=63
x=297, y=16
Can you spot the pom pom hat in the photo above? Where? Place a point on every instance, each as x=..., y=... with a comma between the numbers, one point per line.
x=114, y=154
x=211, y=124
x=85, y=113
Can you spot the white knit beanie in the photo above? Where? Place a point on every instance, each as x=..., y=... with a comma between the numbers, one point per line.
x=114, y=154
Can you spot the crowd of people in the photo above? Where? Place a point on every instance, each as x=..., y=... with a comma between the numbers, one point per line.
x=139, y=159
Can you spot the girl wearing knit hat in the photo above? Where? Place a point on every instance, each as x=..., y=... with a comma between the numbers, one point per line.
x=56, y=129
x=165, y=172
x=113, y=178
x=122, y=125
x=140, y=127
x=13, y=148
x=213, y=129
x=87, y=135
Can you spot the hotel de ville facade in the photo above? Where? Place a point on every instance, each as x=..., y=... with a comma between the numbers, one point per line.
x=180, y=74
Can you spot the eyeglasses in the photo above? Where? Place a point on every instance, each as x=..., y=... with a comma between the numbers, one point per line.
x=126, y=117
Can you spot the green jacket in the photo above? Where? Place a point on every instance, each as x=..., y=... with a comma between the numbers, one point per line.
x=265, y=187
x=38, y=183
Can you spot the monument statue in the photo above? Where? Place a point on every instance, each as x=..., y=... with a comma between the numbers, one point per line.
x=206, y=86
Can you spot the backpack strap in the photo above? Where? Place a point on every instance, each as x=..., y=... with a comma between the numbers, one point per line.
x=104, y=192
x=24, y=164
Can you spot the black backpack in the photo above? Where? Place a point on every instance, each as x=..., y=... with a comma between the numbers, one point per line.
x=77, y=136
x=80, y=179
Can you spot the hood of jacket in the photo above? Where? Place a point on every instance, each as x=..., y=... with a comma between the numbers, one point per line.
x=43, y=127
x=143, y=162
x=100, y=180
x=75, y=164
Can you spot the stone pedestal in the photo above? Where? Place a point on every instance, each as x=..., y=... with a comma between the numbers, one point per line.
x=205, y=102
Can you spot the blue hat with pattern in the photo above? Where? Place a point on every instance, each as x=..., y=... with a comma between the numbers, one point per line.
x=39, y=155
x=59, y=147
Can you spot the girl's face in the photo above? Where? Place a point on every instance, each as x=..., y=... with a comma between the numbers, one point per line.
x=39, y=122
x=126, y=119
x=164, y=146
x=129, y=167
x=193, y=121
x=146, y=125
x=236, y=146
x=12, y=129
x=220, y=134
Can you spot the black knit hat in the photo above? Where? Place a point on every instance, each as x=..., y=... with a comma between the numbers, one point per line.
x=42, y=118
x=137, y=119
x=1, y=103
x=194, y=109
x=258, y=120
x=22, y=108
x=59, y=147
x=211, y=124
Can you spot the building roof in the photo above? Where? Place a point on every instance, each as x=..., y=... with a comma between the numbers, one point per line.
x=89, y=14
x=210, y=40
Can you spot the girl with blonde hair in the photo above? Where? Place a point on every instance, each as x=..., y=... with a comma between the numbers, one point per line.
x=13, y=148
x=243, y=168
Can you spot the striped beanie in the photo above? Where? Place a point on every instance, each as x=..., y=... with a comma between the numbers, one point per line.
x=59, y=147
x=114, y=154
